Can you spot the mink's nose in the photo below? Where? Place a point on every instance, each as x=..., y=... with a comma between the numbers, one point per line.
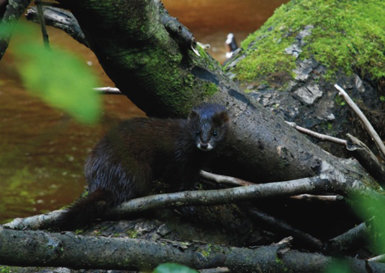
x=205, y=146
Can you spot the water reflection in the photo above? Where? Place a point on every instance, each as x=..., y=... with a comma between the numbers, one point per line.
x=212, y=20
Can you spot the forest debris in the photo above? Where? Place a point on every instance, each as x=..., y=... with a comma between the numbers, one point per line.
x=283, y=228
x=372, y=132
x=317, y=135
x=367, y=159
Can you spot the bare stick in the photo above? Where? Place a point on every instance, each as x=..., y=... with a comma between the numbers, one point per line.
x=208, y=197
x=367, y=159
x=330, y=198
x=215, y=270
x=368, y=126
x=108, y=90
x=225, y=179
x=317, y=135
x=40, y=14
x=285, y=229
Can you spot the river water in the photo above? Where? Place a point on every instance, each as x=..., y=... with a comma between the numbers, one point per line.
x=42, y=150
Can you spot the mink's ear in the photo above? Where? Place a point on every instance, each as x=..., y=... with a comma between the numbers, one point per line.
x=221, y=118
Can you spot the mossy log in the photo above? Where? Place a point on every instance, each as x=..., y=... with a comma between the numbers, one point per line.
x=38, y=248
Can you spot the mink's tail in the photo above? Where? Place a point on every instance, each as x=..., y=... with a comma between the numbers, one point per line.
x=84, y=211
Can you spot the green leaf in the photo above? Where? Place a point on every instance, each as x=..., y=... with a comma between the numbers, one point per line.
x=56, y=76
x=173, y=268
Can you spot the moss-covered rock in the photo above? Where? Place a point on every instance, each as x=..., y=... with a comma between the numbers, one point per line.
x=345, y=35
x=307, y=46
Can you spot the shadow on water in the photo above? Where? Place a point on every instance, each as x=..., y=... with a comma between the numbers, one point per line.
x=42, y=150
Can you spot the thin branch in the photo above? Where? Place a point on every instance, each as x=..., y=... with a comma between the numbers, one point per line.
x=208, y=197
x=285, y=229
x=215, y=270
x=377, y=140
x=366, y=158
x=108, y=90
x=40, y=15
x=328, y=198
x=317, y=135
x=225, y=179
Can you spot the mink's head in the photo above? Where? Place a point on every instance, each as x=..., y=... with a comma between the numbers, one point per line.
x=208, y=124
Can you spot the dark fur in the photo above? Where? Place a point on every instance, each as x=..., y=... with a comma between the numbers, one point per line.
x=128, y=159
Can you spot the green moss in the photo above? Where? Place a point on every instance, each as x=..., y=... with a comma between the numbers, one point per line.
x=132, y=234
x=210, y=88
x=339, y=101
x=347, y=34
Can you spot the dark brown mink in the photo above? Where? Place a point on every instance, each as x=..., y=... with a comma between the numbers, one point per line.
x=124, y=164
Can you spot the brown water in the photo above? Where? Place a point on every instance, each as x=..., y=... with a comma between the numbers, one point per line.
x=42, y=150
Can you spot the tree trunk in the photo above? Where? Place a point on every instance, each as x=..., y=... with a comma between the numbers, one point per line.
x=151, y=61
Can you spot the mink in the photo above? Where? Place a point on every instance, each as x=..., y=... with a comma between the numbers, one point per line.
x=127, y=161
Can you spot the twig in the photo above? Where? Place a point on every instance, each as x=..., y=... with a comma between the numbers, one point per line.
x=367, y=159
x=225, y=179
x=40, y=13
x=215, y=270
x=330, y=198
x=108, y=90
x=317, y=135
x=285, y=229
x=377, y=140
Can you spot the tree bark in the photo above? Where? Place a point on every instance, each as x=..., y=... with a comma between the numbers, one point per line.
x=53, y=249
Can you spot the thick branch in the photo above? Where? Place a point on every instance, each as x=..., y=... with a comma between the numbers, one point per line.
x=36, y=248
x=351, y=239
x=60, y=19
x=14, y=10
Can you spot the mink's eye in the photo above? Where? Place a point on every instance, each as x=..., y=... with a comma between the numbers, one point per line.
x=197, y=133
x=215, y=133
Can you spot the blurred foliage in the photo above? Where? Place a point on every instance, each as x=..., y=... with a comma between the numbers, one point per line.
x=56, y=76
x=371, y=208
x=173, y=268
x=338, y=266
